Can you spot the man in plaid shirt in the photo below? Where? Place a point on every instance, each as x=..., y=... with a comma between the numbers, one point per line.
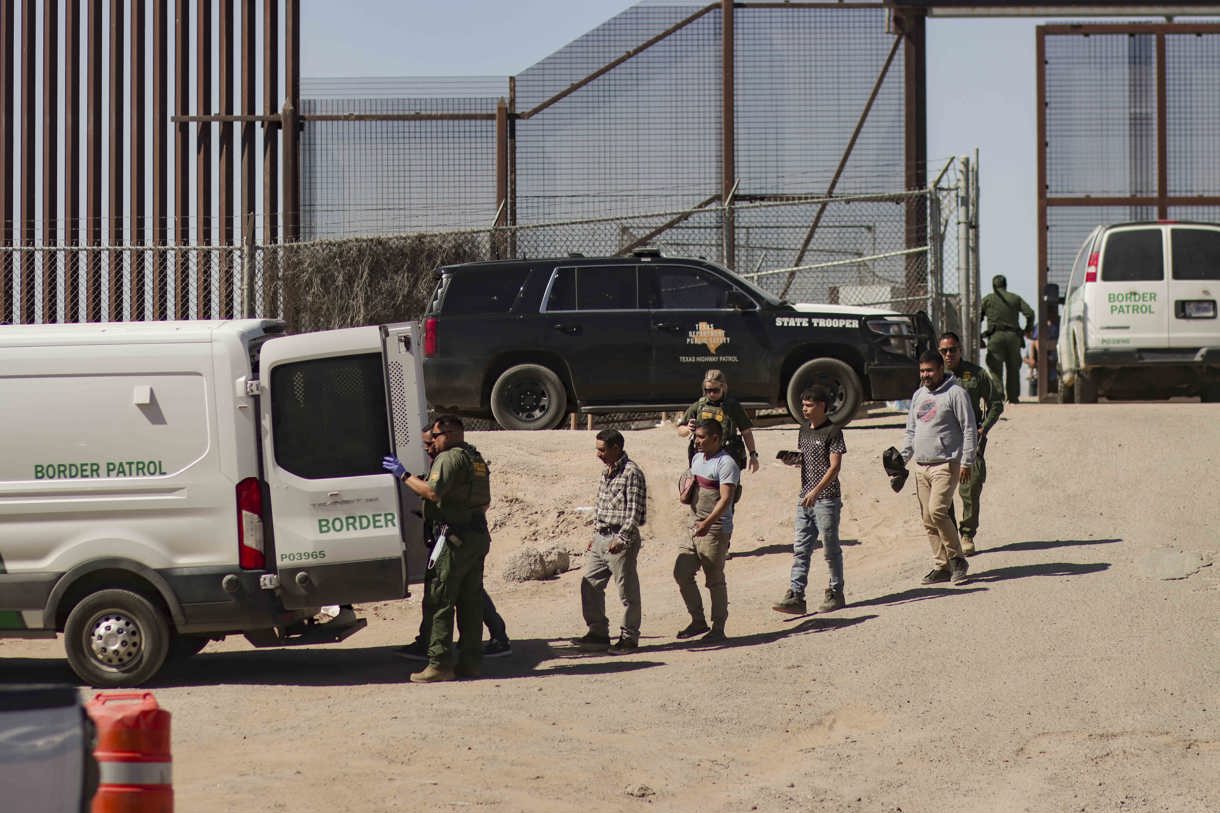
x=619, y=512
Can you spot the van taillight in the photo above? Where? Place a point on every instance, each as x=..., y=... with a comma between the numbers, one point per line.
x=250, y=525
x=1090, y=273
x=430, y=336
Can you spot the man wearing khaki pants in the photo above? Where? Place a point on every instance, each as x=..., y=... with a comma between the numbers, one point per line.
x=941, y=436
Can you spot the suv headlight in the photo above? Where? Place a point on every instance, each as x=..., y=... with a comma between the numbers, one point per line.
x=897, y=332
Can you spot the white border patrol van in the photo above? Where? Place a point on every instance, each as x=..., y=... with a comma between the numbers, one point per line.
x=168, y=483
x=1139, y=317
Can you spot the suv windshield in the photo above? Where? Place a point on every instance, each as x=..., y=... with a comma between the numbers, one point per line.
x=1196, y=254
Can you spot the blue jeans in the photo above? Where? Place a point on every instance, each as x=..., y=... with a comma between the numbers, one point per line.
x=821, y=520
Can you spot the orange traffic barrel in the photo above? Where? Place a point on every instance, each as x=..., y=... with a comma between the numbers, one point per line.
x=133, y=753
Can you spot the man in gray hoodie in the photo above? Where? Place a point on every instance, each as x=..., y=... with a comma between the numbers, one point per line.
x=942, y=437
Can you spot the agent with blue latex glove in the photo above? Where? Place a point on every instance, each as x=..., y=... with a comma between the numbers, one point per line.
x=395, y=467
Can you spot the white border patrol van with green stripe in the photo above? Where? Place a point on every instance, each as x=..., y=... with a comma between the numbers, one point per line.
x=169, y=483
x=1139, y=317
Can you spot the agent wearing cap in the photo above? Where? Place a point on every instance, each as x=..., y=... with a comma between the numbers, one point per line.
x=1002, y=310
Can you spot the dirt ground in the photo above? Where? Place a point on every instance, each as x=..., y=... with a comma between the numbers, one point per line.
x=1078, y=669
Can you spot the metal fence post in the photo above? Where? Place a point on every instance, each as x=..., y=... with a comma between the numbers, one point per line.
x=965, y=280
x=936, y=264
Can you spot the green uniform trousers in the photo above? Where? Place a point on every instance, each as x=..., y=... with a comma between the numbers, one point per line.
x=457, y=586
x=1004, y=356
x=970, y=491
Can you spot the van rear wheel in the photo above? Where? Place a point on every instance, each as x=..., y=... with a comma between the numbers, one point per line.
x=1085, y=389
x=528, y=396
x=116, y=638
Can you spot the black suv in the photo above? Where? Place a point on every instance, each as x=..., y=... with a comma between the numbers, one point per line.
x=528, y=340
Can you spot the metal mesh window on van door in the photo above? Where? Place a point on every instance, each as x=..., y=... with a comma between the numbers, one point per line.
x=328, y=416
x=399, y=401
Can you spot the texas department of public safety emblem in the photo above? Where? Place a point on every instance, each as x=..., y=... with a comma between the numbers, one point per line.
x=708, y=335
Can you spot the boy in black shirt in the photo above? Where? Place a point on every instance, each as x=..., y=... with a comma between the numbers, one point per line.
x=817, y=513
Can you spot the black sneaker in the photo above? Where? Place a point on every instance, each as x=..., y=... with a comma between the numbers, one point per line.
x=960, y=568
x=714, y=636
x=496, y=648
x=692, y=629
x=624, y=645
x=592, y=643
x=940, y=574
x=791, y=603
x=417, y=650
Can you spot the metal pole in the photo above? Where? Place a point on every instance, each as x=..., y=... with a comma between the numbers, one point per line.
x=50, y=158
x=728, y=103
x=963, y=259
x=72, y=160
x=29, y=165
x=203, y=147
x=936, y=265
x=247, y=267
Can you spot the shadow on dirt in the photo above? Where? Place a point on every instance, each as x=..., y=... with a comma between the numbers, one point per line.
x=1045, y=544
x=917, y=594
x=1000, y=574
x=767, y=550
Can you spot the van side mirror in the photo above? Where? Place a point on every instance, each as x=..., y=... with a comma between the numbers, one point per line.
x=1050, y=294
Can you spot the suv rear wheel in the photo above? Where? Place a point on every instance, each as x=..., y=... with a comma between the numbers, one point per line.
x=528, y=396
x=836, y=376
x=116, y=638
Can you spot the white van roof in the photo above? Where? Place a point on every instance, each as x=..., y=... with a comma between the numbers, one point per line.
x=203, y=330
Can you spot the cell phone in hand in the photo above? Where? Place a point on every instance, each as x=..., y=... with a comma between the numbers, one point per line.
x=789, y=458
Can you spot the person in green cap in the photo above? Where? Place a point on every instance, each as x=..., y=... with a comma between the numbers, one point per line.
x=456, y=493
x=988, y=403
x=1002, y=310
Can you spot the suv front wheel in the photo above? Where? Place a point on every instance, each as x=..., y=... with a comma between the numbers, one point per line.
x=528, y=396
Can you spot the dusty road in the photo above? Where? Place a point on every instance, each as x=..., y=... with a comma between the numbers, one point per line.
x=1078, y=669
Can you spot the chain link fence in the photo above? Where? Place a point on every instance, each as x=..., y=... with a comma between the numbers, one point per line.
x=847, y=250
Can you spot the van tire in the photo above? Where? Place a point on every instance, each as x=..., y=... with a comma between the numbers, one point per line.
x=842, y=381
x=134, y=634
x=1066, y=393
x=1085, y=389
x=528, y=396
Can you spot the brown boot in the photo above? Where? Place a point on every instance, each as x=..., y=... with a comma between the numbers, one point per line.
x=968, y=545
x=433, y=673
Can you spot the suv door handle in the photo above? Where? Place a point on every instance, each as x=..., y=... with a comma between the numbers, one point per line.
x=571, y=330
x=669, y=327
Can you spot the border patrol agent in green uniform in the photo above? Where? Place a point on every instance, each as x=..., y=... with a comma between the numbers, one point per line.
x=985, y=393
x=456, y=493
x=1003, y=310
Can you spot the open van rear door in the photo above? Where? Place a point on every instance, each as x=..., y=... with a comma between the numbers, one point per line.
x=408, y=410
x=335, y=514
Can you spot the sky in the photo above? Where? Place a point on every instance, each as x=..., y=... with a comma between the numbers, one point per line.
x=980, y=85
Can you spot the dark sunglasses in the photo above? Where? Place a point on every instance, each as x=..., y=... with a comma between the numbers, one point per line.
x=944, y=351
x=711, y=390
